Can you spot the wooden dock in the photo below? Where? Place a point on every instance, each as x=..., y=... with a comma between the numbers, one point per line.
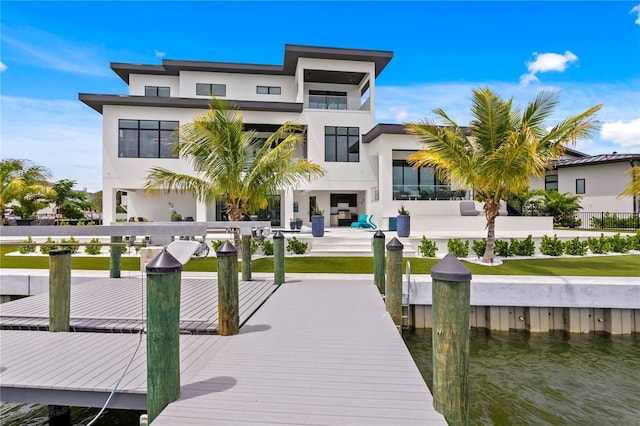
x=118, y=305
x=318, y=352
x=315, y=352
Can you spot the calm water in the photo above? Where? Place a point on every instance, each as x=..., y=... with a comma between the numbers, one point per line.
x=520, y=379
x=36, y=415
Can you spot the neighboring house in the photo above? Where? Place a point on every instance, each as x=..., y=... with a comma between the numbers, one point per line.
x=330, y=91
x=598, y=179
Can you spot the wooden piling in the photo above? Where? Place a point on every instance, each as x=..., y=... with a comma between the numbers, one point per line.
x=163, y=332
x=228, y=303
x=115, y=263
x=378, y=261
x=246, y=258
x=59, y=289
x=393, y=290
x=278, y=257
x=451, y=305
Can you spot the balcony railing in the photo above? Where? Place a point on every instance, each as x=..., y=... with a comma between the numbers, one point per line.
x=429, y=192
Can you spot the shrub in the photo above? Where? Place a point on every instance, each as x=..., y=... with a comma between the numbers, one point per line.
x=296, y=246
x=215, y=245
x=47, y=249
x=93, y=248
x=479, y=247
x=525, y=247
x=633, y=241
x=427, y=248
x=501, y=248
x=457, y=248
x=618, y=244
x=74, y=249
x=267, y=248
x=551, y=246
x=27, y=249
x=599, y=245
x=575, y=247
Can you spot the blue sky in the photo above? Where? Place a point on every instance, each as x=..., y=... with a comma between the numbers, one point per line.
x=51, y=51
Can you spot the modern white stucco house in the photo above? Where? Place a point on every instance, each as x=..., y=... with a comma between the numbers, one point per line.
x=330, y=91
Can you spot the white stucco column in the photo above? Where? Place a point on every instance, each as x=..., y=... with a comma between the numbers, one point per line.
x=108, y=205
x=385, y=180
x=287, y=207
x=201, y=211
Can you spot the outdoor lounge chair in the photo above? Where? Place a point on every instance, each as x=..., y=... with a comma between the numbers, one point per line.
x=364, y=221
x=468, y=208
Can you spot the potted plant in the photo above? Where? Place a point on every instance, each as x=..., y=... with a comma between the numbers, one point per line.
x=298, y=223
x=292, y=223
x=403, y=222
x=317, y=222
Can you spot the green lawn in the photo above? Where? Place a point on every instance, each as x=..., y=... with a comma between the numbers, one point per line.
x=615, y=265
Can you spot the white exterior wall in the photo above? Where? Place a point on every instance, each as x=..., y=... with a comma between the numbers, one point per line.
x=137, y=83
x=603, y=184
x=239, y=86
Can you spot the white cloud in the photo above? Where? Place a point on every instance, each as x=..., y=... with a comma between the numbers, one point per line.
x=622, y=133
x=545, y=62
x=49, y=51
x=636, y=10
x=159, y=54
x=621, y=103
x=64, y=136
x=3, y=67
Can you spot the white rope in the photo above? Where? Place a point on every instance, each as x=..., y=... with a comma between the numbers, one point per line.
x=141, y=334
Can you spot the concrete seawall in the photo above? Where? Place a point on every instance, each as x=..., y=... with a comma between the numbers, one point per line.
x=542, y=304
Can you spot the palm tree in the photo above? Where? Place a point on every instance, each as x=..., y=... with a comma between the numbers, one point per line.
x=19, y=178
x=506, y=147
x=633, y=186
x=232, y=163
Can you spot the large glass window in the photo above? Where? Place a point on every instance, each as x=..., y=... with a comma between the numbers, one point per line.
x=156, y=91
x=205, y=89
x=146, y=138
x=322, y=99
x=551, y=182
x=342, y=144
x=419, y=184
x=268, y=90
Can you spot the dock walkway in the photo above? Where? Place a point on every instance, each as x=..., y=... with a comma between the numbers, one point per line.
x=321, y=352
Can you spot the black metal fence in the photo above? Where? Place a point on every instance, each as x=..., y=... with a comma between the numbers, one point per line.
x=608, y=221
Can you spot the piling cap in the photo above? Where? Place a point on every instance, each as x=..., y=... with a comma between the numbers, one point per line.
x=59, y=251
x=395, y=244
x=226, y=249
x=164, y=263
x=378, y=234
x=278, y=235
x=450, y=269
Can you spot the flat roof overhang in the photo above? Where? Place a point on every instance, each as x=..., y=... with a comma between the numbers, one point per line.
x=292, y=53
x=97, y=102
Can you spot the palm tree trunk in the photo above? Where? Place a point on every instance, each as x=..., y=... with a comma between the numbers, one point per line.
x=491, y=211
x=235, y=215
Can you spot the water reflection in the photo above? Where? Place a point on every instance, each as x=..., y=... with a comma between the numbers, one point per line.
x=549, y=379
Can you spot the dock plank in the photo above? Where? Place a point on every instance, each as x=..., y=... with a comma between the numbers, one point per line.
x=317, y=352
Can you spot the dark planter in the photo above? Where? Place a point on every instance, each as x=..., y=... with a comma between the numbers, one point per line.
x=292, y=224
x=317, y=226
x=404, y=225
x=299, y=224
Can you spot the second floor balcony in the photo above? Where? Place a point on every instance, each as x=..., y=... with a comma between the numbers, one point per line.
x=430, y=192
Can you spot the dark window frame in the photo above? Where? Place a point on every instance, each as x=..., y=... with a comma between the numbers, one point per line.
x=581, y=182
x=156, y=91
x=209, y=89
x=551, y=182
x=270, y=90
x=338, y=143
x=132, y=135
